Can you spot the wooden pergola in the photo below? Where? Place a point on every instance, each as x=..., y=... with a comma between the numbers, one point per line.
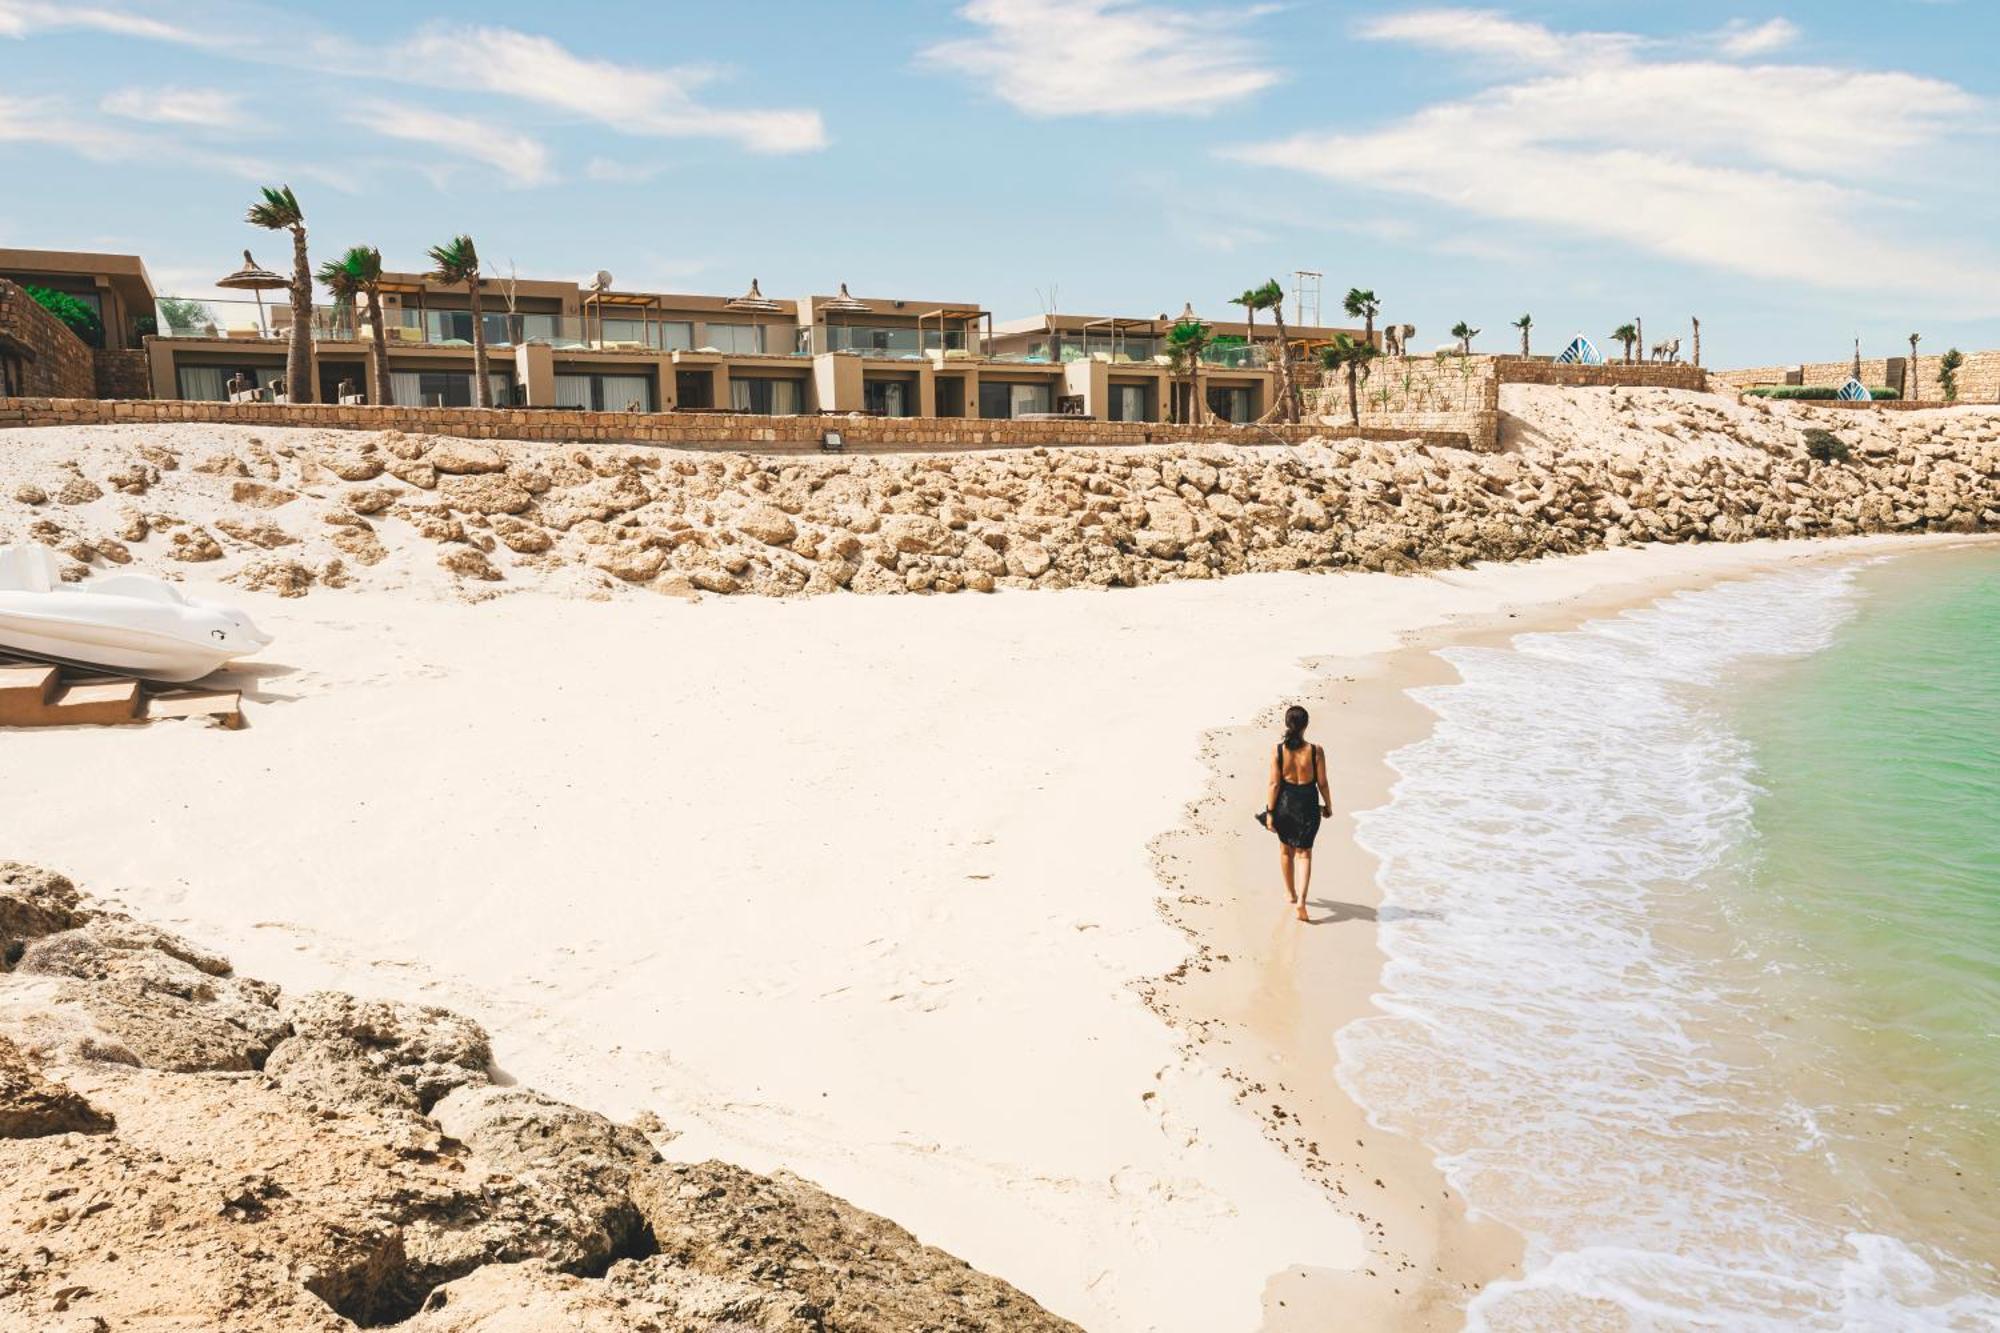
x=644, y=303
x=962, y=315
x=1115, y=328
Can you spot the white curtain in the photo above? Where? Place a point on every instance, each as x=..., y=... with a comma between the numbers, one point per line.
x=1031, y=398
x=619, y=392
x=407, y=386
x=208, y=384
x=775, y=397
x=573, y=391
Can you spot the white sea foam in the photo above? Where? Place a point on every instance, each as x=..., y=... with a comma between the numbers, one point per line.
x=1566, y=1063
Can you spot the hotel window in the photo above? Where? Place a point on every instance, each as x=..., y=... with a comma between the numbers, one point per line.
x=676, y=334
x=766, y=397
x=625, y=331
x=1000, y=402
x=1131, y=402
x=210, y=384
x=1232, y=405
x=739, y=338
x=538, y=328
x=605, y=393
x=891, y=398
x=443, y=388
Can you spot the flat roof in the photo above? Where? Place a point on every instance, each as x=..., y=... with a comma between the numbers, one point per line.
x=1102, y=324
x=124, y=273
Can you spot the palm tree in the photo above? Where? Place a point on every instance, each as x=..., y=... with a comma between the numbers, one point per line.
x=280, y=211
x=1916, y=386
x=1271, y=297
x=1361, y=304
x=359, y=273
x=458, y=261
x=1627, y=334
x=1465, y=333
x=1525, y=323
x=1186, y=341
x=1353, y=357
x=1251, y=304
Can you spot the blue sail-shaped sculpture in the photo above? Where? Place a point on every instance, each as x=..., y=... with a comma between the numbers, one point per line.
x=1580, y=352
x=1854, y=391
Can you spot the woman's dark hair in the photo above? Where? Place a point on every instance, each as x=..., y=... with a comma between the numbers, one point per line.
x=1295, y=727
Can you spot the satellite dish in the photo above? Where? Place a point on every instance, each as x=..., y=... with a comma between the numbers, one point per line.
x=602, y=281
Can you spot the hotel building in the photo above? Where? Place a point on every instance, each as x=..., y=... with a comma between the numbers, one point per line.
x=557, y=344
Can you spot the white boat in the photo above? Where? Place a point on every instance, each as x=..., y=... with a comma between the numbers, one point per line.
x=128, y=622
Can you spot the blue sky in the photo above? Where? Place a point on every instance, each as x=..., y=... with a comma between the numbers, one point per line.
x=1794, y=174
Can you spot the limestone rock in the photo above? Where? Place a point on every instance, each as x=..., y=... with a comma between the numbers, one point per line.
x=375, y=1052
x=258, y=495
x=264, y=534
x=78, y=490
x=193, y=545
x=483, y=494
x=31, y=1106
x=468, y=563
x=464, y=456
x=28, y=493
x=33, y=903
x=768, y=524
x=287, y=578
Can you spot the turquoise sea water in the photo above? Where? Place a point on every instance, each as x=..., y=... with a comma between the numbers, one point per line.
x=1693, y=924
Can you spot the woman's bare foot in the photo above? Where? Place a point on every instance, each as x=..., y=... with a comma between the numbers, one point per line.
x=1302, y=914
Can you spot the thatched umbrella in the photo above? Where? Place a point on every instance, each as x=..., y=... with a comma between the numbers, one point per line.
x=754, y=302
x=252, y=278
x=843, y=304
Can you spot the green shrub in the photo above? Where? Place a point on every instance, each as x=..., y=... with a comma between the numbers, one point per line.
x=1811, y=392
x=79, y=318
x=1823, y=446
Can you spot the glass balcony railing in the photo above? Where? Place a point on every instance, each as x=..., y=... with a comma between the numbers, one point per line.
x=1233, y=356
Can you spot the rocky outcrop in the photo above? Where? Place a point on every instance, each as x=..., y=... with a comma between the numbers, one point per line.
x=183, y=1148
x=1582, y=468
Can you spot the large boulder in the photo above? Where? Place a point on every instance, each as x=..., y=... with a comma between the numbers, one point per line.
x=33, y=903
x=380, y=1053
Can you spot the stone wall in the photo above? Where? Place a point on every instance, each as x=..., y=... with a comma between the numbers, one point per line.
x=122, y=372
x=1637, y=375
x=1425, y=394
x=1978, y=379
x=755, y=434
x=44, y=356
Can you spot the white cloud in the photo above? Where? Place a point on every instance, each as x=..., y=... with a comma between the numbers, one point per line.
x=1106, y=57
x=523, y=160
x=177, y=106
x=629, y=98
x=1742, y=40
x=21, y=18
x=1777, y=170
x=1490, y=33
x=23, y=120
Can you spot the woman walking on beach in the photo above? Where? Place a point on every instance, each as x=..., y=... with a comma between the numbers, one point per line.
x=1298, y=799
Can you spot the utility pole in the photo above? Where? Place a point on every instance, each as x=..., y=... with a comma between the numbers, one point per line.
x=1305, y=287
x=1697, y=342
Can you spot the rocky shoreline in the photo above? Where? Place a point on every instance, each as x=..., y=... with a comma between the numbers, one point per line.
x=294, y=510
x=184, y=1148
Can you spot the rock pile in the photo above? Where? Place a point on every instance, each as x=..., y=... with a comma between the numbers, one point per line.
x=293, y=510
x=183, y=1148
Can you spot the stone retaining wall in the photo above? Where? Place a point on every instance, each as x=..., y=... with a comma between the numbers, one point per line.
x=1978, y=379
x=1612, y=374
x=1416, y=394
x=122, y=372
x=753, y=434
x=43, y=356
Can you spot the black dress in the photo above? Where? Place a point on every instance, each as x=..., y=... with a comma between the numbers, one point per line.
x=1296, y=815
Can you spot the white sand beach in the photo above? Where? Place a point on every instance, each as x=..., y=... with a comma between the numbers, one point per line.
x=855, y=886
